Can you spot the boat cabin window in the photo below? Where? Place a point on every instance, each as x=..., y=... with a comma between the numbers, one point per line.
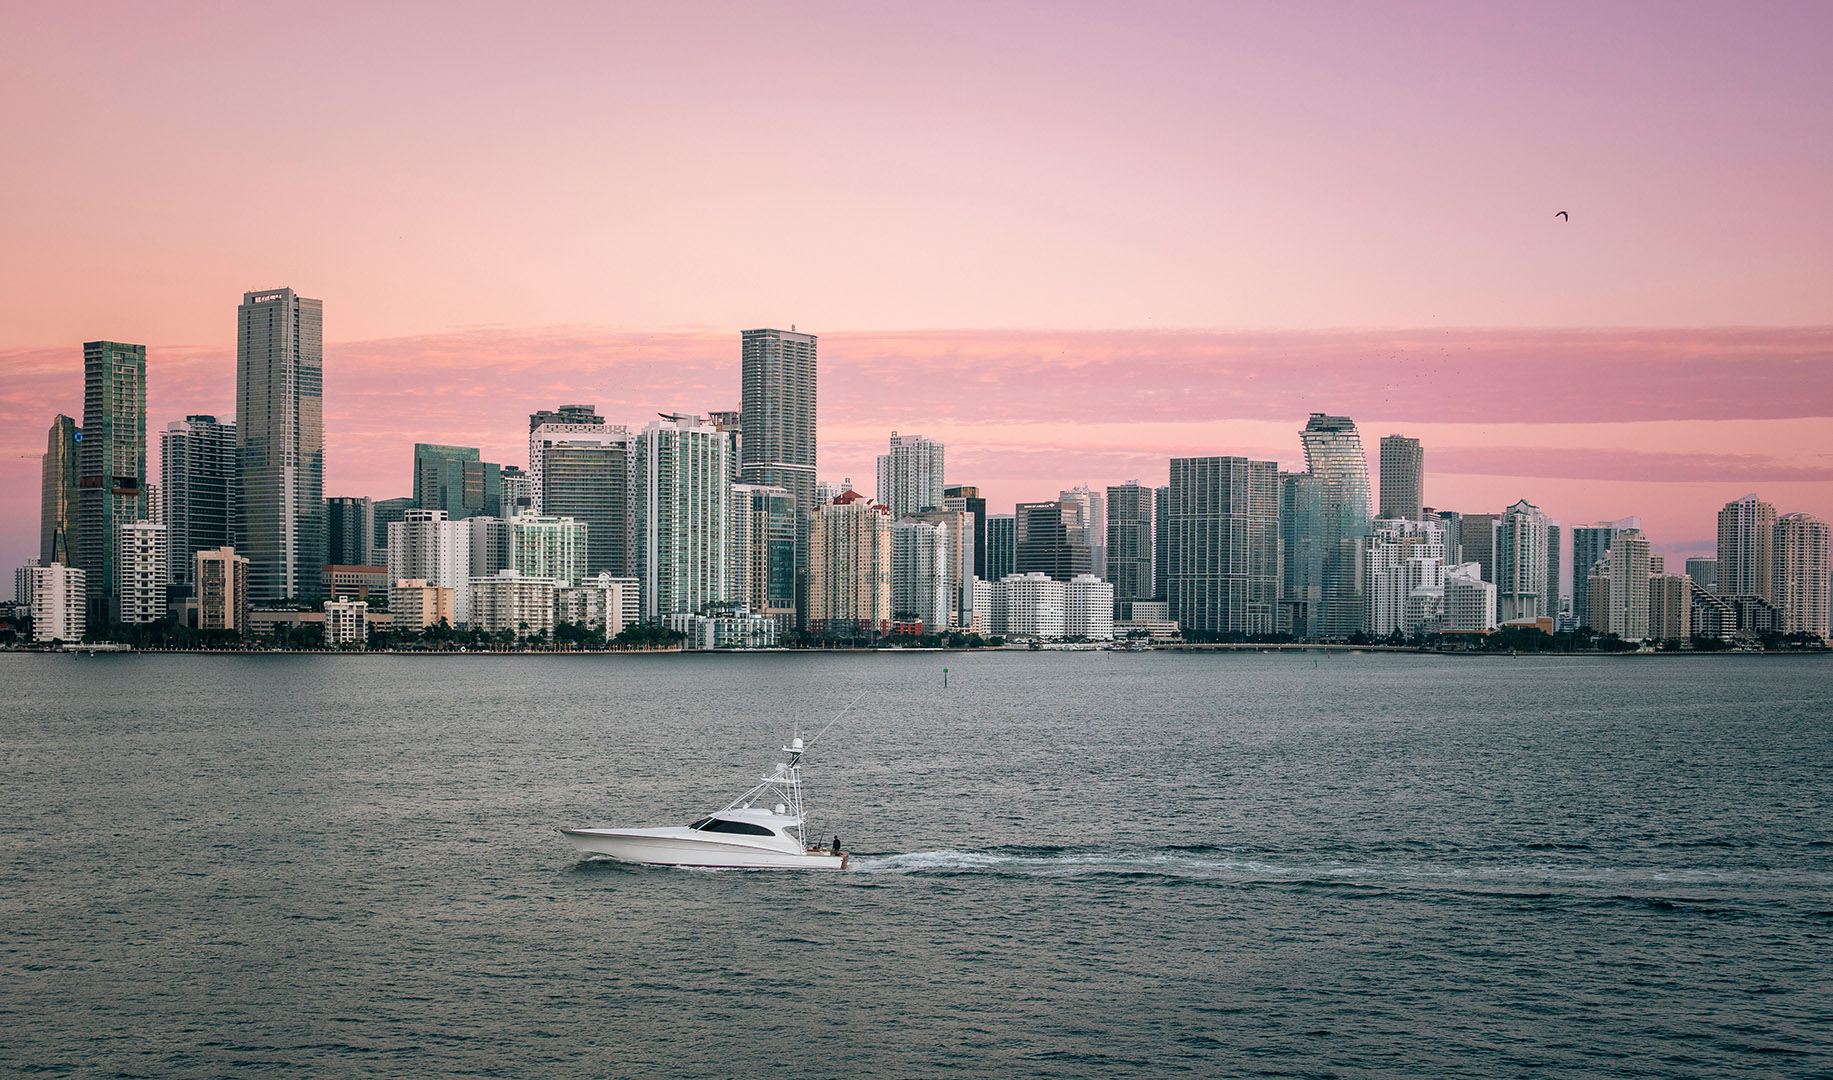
x=708, y=824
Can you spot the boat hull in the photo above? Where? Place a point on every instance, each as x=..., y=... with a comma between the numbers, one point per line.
x=649, y=850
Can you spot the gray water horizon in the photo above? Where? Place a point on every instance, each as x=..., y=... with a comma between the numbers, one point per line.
x=1065, y=864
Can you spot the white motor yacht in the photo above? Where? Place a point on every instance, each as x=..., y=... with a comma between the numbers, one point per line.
x=744, y=835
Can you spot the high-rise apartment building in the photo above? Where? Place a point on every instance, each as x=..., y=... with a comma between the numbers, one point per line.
x=550, y=424
x=1589, y=544
x=429, y=546
x=1625, y=598
x=1550, y=602
x=849, y=569
x=681, y=496
x=198, y=485
x=1521, y=563
x=1002, y=546
x=60, y=603
x=518, y=491
x=764, y=551
x=1404, y=555
x=967, y=497
x=584, y=474
x=1088, y=608
x=1801, y=573
x=111, y=466
x=920, y=585
x=1224, y=545
x=1130, y=541
x=1052, y=538
x=910, y=475
x=542, y=546
x=220, y=581
x=388, y=512
x=1403, y=471
x=1470, y=601
x=1746, y=549
x=490, y=544
x=350, y=528
x=1704, y=573
x=58, y=495
x=959, y=569
x=280, y=442
x=457, y=480
x=1670, y=607
x=140, y=572
x=1747, y=538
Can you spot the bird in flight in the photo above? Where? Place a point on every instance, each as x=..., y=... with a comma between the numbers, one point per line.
x=1562, y=214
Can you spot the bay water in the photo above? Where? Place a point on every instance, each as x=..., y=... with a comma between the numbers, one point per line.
x=1065, y=864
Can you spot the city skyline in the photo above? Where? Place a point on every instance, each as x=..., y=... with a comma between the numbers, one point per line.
x=1738, y=417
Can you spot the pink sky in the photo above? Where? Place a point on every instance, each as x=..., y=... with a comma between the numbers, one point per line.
x=505, y=208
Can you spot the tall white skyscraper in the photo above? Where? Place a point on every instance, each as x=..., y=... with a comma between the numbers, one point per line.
x=1746, y=548
x=910, y=475
x=1801, y=573
x=429, y=546
x=920, y=559
x=280, y=442
x=681, y=495
x=1521, y=563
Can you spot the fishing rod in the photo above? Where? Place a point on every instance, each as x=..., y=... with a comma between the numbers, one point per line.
x=837, y=716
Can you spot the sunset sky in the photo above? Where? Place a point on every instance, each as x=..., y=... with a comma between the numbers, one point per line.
x=1070, y=240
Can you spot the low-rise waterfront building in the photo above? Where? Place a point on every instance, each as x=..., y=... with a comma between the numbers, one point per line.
x=140, y=572
x=220, y=578
x=417, y=604
x=509, y=601
x=59, y=603
x=346, y=623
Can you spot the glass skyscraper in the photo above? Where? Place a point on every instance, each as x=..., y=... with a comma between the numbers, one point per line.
x=1403, y=466
x=457, y=480
x=197, y=481
x=1002, y=546
x=1224, y=546
x=777, y=416
x=111, y=466
x=1130, y=541
x=1334, y=458
x=58, y=493
x=280, y=442
x=586, y=476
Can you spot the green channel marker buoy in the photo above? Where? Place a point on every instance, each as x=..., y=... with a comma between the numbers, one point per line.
x=944, y=678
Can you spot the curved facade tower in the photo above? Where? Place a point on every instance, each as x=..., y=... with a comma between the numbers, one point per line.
x=1340, y=516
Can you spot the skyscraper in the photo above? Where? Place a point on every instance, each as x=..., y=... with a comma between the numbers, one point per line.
x=1403, y=470
x=1521, y=563
x=350, y=525
x=1161, y=541
x=197, y=482
x=585, y=475
x=1224, y=545
x=1404, y=556
x=1589, y=543
x=111, y=466
x=1090, y=526
x=1129, y=541
x=1801, y=573
x=457, y=480
x=1550, y=605
x=959, y=558
x=280, y=442
x=428, y=546
x=1477, y=541
x=777, y=403
x=58, y=495
x=1052, y=539
x=1746, y=549
x=1333, y=455
x=920, y=586
x=966, y=497
x=1002, y=546
x=849, y=574
x=549, y=425
x=910, y=475
x=764, y=551
x=681, y=495
x=1704, y=573
x=1626, y=567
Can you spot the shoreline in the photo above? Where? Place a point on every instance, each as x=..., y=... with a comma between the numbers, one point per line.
x=1230, y=647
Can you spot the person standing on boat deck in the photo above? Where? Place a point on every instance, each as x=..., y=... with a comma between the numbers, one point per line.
x=836, y=843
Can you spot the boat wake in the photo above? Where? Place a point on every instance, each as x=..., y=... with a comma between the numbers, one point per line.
x=1530, y=871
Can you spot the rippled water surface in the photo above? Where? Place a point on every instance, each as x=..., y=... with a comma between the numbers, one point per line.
x=1067, y=865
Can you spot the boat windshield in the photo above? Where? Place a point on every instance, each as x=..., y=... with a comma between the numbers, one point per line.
x=713, y=824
